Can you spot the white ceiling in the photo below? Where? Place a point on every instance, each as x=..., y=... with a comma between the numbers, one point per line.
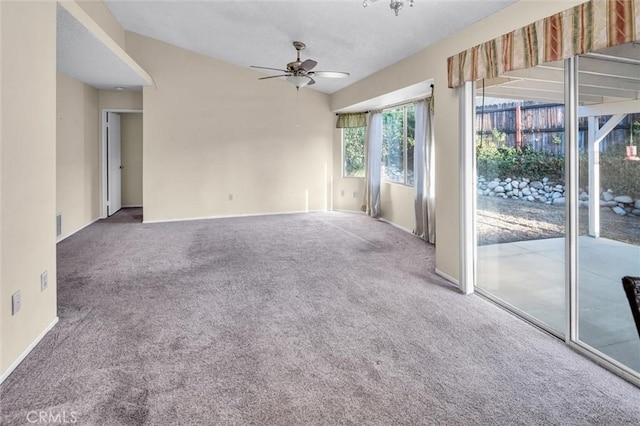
x=340, y=35
x=84, y=57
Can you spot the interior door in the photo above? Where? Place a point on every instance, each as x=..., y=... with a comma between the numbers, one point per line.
x=114, y=164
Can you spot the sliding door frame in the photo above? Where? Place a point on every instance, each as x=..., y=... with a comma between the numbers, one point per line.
x=572, y=84
x=467, y=160
x=571, y=197
x=468, y=237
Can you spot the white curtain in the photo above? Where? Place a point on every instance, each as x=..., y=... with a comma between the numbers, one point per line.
x=423, y=169
x=374, y=156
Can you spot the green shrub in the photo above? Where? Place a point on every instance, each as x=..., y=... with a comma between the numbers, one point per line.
x=617, y=174
x=493, y=159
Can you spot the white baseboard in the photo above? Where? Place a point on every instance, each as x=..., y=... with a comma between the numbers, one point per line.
x=77, y=230
x=402, y=228
x=24, y=354
x=348, y=211
x=231, y=216
x=448, y=277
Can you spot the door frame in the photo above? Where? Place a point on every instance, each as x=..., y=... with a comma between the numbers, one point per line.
x=103, y=155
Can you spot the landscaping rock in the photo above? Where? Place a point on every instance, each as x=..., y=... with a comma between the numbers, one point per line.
x=619, y=210
x=625, y=199
x=548, y=192
x=607, y=196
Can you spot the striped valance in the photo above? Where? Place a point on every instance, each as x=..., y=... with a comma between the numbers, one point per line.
x=358, y=119
x=587, y=27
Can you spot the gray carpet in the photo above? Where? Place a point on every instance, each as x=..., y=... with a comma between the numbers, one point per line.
x=325, y=318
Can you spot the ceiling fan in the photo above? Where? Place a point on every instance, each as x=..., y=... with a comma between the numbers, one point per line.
x=299, y=72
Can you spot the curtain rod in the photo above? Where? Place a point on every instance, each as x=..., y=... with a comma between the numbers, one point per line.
x=360, y=112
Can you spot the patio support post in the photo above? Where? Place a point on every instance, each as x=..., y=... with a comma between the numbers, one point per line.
x=593, y=150
x=595, y=136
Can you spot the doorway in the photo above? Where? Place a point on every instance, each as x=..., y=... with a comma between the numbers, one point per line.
x=121, y=160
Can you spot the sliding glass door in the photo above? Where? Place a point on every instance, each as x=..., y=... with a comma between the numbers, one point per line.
x=557, y=199
x=520, y=199
x=609, y=202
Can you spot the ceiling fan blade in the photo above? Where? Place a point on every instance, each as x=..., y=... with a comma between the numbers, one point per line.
x=274, y=76
x=311, y=81
x=267, y=68
x=308, y=65
x=330, y=74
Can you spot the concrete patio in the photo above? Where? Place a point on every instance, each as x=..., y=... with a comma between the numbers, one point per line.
x=529, y=275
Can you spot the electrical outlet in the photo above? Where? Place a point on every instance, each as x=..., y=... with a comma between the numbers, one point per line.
x=16, y=302
x=342, y=193
x=230, y=197
x=44, y=281
x=355, y=194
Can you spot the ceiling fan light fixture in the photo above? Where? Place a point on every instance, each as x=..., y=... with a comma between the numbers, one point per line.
x=298, y=80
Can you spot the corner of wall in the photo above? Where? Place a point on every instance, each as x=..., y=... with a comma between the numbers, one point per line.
x=27, y=172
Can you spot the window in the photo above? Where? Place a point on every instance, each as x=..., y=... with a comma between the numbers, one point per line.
x=353, y=152
x=398, y=140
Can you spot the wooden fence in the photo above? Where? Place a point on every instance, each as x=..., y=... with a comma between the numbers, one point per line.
x=541, y=126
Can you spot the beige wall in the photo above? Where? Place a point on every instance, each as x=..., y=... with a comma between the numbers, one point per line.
x=113, y=99
x=27, y=173
x=212, y=129
x=77, y=155
x=131, y=141
x=431, y=63
x=396, y=205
